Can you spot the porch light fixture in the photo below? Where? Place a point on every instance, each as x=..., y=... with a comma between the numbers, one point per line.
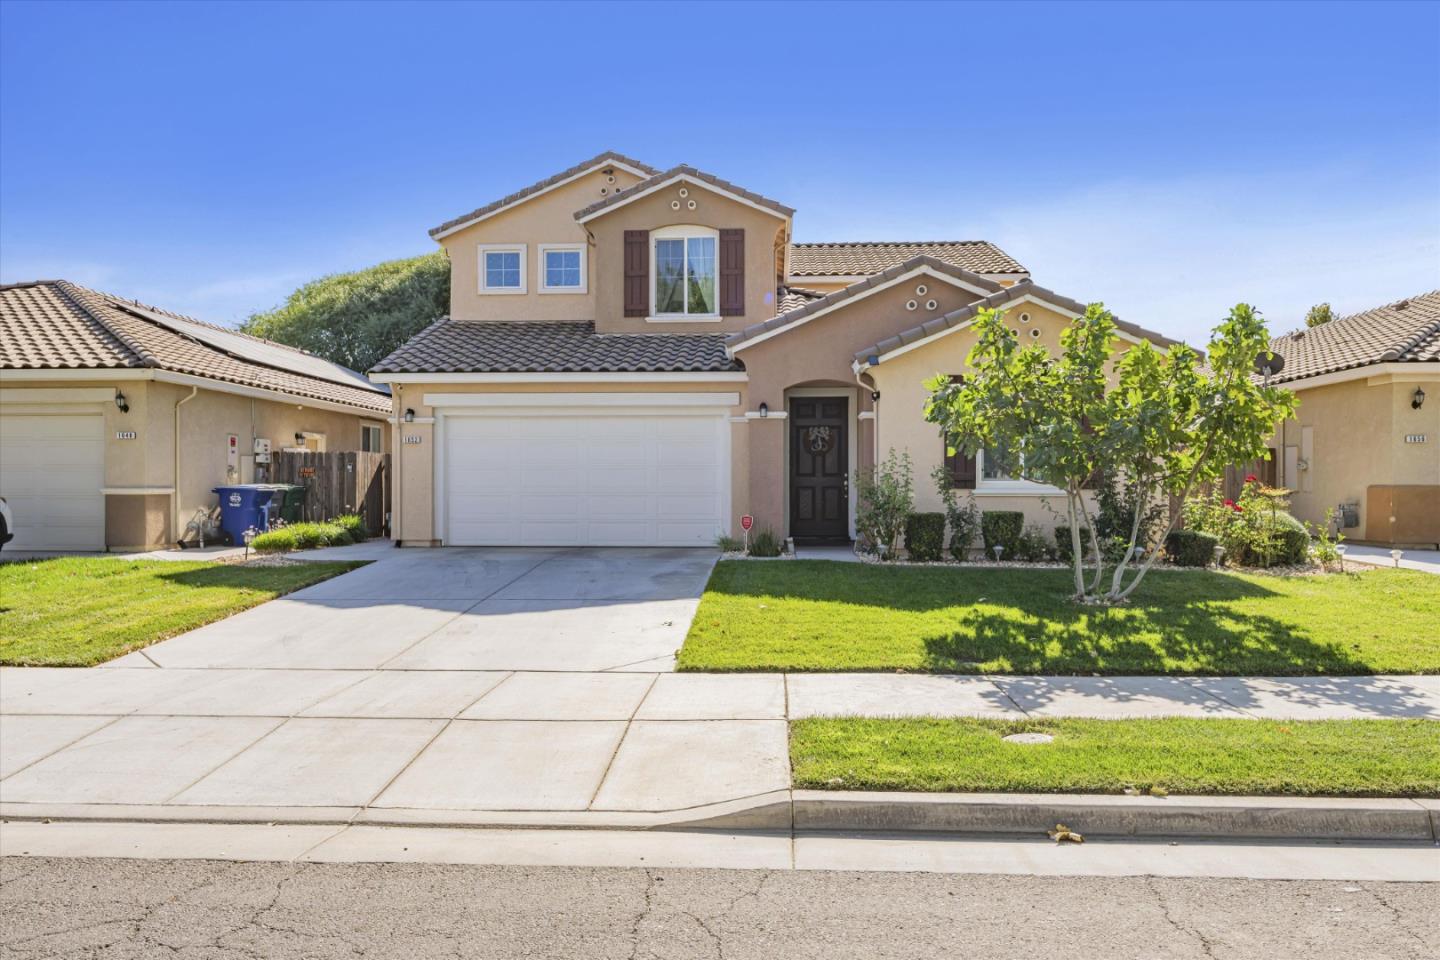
x=409, y=414
x=874, y=396
x=764, y=410
x=299, y=439
x=1417, y=399
x=124, y=404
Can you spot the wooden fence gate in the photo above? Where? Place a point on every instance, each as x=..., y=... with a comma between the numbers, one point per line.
x=337, y=483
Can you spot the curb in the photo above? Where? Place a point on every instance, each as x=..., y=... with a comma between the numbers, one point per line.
x=821, y=811
x=1227, y=818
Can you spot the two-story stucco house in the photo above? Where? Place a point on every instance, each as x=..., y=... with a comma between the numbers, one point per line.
x=641, y=357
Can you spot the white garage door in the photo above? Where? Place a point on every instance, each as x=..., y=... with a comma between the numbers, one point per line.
x=51, y=472
x=569, y=477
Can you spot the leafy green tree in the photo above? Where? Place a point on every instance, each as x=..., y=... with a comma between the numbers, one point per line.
x=1167, y=426
x=356, y=319
x=1318, y=314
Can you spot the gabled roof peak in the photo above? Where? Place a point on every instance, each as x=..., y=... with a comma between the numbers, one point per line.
x=490, y=209
x=692, y=174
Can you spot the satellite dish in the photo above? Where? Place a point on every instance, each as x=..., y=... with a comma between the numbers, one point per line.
x=1268, y=363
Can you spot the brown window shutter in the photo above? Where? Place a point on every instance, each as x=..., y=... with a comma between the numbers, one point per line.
x=732, y=273
x=637, y=273
x=960, y=468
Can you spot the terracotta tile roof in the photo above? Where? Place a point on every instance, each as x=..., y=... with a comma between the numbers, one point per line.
x=863, y=259
x=1406, y=331
x=996, y=301
x=466, y=346
x=687, y=171
x=808, y=307
x=58, y=325
x=534, y=188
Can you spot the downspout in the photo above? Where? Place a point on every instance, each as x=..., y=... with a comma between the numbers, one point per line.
x=397, y=502
x=175, y=497
x=874, y=406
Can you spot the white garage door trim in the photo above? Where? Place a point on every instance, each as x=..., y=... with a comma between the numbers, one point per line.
x=52, y=469
x=709, y=409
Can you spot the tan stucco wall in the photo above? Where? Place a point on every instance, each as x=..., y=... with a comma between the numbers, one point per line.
x=414, y=463
x=1357, y=434
x=548, y=218
x=820, y=352
x=902, y=424
x=147, y=461
x=763, y=231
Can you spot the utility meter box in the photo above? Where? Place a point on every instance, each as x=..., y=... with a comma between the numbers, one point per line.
x=262, y=450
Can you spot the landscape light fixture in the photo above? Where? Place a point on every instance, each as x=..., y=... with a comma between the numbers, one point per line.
x=1417, y=399
x=124, y=404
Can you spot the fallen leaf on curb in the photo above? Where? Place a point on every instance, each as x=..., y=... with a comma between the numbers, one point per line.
x=1062, y=833
x=1159, y=792
x=1132, y=791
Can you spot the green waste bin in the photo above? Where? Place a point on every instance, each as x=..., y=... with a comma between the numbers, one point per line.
x=288, y=503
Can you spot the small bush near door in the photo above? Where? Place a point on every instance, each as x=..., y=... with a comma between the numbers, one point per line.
x=1001, y=528
x=925, y=536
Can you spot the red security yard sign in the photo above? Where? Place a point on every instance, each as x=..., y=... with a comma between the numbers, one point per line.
x=746, y=522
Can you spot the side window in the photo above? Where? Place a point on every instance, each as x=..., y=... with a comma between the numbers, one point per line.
x=369, y=438
x=502, y=268
x=686, y=272
x=562, y=268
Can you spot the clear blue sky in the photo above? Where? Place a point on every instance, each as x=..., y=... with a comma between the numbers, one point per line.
x=1167, y=159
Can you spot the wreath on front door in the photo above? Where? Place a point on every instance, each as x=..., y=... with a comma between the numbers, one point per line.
x=819, y=440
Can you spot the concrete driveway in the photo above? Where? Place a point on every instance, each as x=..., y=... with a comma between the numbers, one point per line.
x=432, y=684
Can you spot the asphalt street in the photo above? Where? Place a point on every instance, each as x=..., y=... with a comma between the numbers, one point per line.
x=63, y=908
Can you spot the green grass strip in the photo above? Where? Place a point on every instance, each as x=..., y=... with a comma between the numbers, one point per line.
x=80, y=611
x=819, y=615
x=1336, y=758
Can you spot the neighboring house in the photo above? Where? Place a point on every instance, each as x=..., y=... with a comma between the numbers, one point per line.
x=642, y=357
x=1366, y=439
x=117, y=419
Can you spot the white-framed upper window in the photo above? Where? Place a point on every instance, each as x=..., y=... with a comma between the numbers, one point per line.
x=502, y=267
x=562, y=267
x=685, y=273
x=370, y=437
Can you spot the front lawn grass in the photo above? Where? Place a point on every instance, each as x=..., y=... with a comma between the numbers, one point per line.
x=79, y=611
x=1352, y=758
x=823, y=615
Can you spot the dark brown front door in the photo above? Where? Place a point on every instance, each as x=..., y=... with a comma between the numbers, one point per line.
x=819, y=455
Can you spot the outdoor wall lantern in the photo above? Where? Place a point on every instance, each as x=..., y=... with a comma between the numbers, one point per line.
x=1417, y=399
x=124, y=404
x=409, y=414
x=764, y=410
x=299, y=439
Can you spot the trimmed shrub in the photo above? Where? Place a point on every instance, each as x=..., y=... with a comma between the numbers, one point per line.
x=1064, y=549
x=1031, y=546
x=281, y=540
x=764, y=543
x=308, y=536
x=354, y=525
x=1001, y=528
x=925, y=536
x=729, y=544
x=1292, y=541
x=1190, y=548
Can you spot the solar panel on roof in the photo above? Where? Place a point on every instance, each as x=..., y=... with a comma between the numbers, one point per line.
x=257, y=351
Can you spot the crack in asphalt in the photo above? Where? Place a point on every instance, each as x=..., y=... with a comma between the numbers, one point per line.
x=1164, y=905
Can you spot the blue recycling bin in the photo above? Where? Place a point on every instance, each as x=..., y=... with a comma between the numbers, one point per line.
x=243, y=506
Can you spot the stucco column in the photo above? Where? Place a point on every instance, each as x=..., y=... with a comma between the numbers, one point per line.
x=767, y=473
